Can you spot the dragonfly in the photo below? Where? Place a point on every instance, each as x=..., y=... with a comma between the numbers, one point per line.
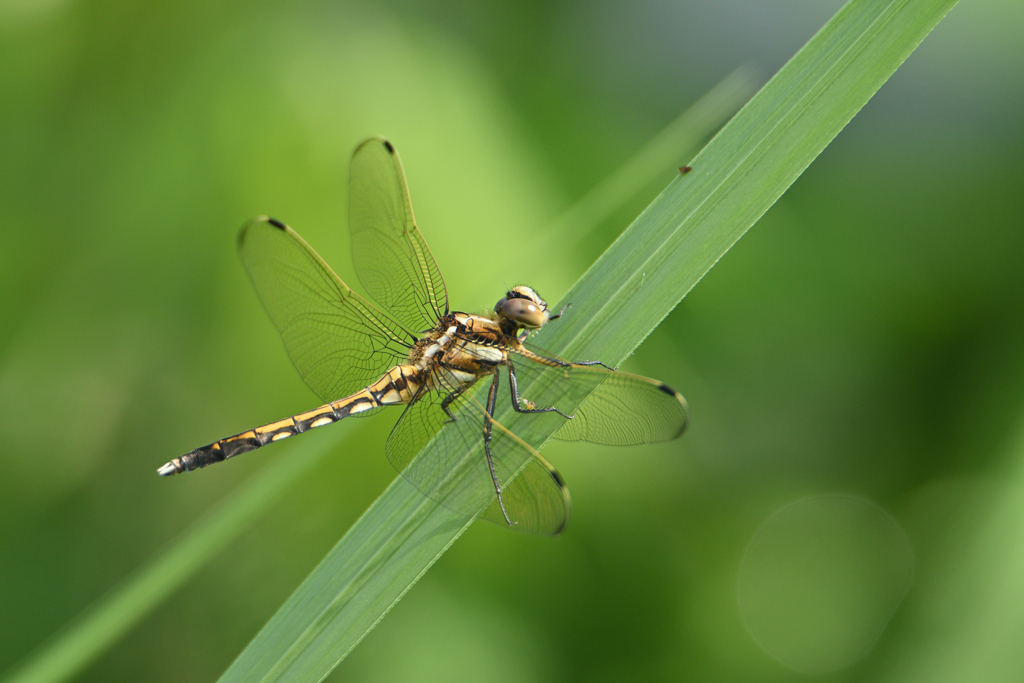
x=408, y=348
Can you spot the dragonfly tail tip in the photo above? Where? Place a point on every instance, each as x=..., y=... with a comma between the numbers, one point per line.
x=167, y=469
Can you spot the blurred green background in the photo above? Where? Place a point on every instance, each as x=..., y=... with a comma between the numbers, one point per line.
x=845, y=505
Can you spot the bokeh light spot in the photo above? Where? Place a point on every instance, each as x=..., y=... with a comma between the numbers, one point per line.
x=820, y=580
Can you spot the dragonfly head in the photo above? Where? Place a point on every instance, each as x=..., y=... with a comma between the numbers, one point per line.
x=523, y=307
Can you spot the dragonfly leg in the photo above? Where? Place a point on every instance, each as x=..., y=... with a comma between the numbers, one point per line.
x=447, y=401
x=593, y=362
x=558, y=362
x=492, y=397
x=560, y=313
x=518, y=402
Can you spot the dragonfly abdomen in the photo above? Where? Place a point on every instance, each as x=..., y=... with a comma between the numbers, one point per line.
x=398, y=386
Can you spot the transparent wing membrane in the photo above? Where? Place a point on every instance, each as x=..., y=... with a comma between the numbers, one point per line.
x=391, y=257
x=537, y=500
x=453, y=470
x=608, y=406
x=337, y=340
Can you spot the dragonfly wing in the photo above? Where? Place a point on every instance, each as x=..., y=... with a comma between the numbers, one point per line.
x=608, y=406
x=452, y=467
x=537, y=500
x=337, y=340
x=424, y=423
x=391, y=257
x=626, y=410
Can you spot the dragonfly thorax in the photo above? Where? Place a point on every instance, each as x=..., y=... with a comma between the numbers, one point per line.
x=459, y=350
x=471, y=342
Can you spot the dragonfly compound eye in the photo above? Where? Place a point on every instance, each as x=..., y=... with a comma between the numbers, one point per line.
x=523, y=311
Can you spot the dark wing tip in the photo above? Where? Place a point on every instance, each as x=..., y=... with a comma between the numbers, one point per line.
x=667, y=389
x=557, y=476
x=387, y=145
x=686, y=407
x=244, y=232
x=566, y=498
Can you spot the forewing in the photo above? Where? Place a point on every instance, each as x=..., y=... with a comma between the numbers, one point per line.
x=453, y=471
x=337, y=340
x=391, y=257
x=607, y=406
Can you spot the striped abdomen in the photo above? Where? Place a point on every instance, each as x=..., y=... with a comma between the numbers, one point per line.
x=398, y=386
